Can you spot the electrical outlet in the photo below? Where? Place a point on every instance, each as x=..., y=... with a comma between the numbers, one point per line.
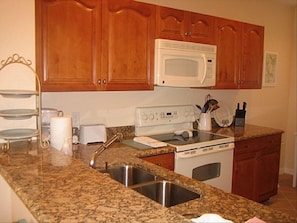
x=75, y=119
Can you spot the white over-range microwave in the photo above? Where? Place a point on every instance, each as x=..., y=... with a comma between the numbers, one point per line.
x=184, y=64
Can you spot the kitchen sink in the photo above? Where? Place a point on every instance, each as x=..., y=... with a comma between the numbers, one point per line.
x=162, y=191
x=130, y=175
x=165, y=192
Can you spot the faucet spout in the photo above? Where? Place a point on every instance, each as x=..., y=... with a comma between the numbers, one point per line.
x=117, y=137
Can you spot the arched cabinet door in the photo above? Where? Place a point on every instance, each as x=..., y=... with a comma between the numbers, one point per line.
x=228, y=35
x=252, y=56
x=128, y=45
x=239, y=55
x=68, y=44
x=182, y=25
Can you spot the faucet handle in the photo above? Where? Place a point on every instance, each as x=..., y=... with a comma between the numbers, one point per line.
x=120, y=136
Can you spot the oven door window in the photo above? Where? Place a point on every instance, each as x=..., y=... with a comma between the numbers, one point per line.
x=206, y=172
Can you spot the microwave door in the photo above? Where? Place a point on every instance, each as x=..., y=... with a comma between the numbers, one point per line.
x=181, y=70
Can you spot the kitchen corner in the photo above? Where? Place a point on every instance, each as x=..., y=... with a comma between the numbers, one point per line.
x=51, y=187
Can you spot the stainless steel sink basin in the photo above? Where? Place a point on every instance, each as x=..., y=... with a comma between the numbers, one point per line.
x=130, y=175
x=166, y=193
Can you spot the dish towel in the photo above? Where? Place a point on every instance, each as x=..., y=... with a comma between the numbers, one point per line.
x=213, y=218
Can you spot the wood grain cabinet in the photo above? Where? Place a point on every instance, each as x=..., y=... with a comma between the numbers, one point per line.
x=128, y=45
x=95, y=44
x=184, y=26
x=68, y=44
x=163, y=160
x=256, y=167
x=239, y=54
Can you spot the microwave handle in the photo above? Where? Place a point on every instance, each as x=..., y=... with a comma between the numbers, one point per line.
x=205, y=68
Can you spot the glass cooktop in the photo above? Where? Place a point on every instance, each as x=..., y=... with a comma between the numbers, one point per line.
x=178, y=140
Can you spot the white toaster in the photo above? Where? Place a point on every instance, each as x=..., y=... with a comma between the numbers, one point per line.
x=92, y=133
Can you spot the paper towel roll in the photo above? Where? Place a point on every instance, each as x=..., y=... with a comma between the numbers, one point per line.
x=61, y=128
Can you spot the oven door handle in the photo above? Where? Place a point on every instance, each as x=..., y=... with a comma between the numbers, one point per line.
x=194, y=153
x=187, y=155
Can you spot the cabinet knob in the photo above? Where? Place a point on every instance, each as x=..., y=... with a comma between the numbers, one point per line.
x=104, y=81
x=99, y=81
x=188, y=33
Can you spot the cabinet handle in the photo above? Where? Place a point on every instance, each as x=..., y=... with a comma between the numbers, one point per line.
x=188, y=33
x=104, y=81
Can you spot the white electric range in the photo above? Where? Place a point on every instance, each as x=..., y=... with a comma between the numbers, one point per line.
x=201, y=155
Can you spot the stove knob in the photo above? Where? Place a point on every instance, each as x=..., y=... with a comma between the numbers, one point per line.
x=151, y=116
x=144, y=117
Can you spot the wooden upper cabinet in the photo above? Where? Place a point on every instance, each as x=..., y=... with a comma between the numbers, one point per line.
x=239, y=54
x=128, y=45
x=184, y=26
x=170, y=23
x=202, y=28
x=228, y=34
x=252, y=56
x=85, y=45
x=68, y=44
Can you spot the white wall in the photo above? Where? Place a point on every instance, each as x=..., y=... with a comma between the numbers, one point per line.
x=270, y=106
x=17, y=36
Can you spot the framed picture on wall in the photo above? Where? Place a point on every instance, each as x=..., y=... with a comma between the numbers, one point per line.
x=270, y=68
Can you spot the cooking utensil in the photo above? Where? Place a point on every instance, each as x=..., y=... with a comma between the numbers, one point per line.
x=198, y=106
x=210, y=105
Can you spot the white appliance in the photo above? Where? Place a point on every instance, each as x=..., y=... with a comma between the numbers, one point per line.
x=200, y=155
x=184, y=64
x=92, y=133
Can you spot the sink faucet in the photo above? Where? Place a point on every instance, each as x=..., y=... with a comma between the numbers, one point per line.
x=104, y=146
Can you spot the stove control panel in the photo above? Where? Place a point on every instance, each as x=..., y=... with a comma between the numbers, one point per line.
x=164, y=115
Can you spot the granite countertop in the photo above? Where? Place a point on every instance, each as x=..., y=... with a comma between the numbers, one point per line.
x=247, y=132
x=59, y=188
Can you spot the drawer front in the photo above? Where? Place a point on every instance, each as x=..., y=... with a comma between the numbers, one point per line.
x=258, y=144
x=163, y=160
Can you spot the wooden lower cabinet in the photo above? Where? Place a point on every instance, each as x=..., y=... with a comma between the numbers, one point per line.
x=163, y=160
x=256, y=167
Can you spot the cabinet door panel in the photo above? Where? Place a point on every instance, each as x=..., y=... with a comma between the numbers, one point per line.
x=268, y=169
x=128, y=45
x=252, y=64
x=228, y=35
x=244, y=175
x=202, y=28
x=170, y=23
x=68, y=46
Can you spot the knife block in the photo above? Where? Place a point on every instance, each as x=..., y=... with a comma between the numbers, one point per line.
x=239, y=117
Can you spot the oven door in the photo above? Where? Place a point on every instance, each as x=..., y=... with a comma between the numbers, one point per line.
x=212, y=167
